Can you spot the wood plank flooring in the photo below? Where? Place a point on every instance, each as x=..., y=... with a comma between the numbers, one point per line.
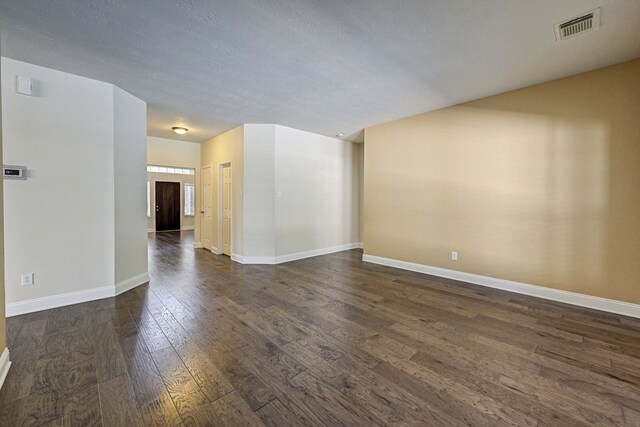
x=323, y=341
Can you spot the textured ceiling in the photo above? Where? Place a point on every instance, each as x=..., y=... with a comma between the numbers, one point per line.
x=324, y=66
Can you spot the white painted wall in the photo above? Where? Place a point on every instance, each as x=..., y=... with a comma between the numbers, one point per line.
x=316, y=192
x=172, y=152
x=301, y=194
x=295, y=193
x=184, y=154
x=130, y=158
x=3, y=321
x=60, y=223
x=259, y=181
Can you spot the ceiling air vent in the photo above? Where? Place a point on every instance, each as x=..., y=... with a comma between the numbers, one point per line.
x=578, y=25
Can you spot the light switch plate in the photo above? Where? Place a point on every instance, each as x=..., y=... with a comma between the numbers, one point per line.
x=24, y=86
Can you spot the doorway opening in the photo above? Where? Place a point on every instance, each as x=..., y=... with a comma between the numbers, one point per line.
x=167, y=206
x=171, y=197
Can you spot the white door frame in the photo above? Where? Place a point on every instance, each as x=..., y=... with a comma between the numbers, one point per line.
x=202, y=217
x=220, y=248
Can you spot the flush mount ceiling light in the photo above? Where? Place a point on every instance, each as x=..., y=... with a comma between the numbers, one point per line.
x=340, y=135
x=179, y=130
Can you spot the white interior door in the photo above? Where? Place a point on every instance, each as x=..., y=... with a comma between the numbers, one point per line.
x=207, y=208
x=226, y=209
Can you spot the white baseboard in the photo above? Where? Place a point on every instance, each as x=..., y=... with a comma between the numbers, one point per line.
x=573, y=298
x=316, y=252
x=214, y=250
x=77, y=297
x=269, y=260
x=60, y=300
x=5, y=364
x=151, y=230
x=235, y=257
x=197, y=245
x=131, y=283
x=295, y=256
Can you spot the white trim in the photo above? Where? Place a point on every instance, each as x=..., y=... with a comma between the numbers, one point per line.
x=258, y=260
x=77, y=297
x=316, y=252
x=132, y=282
x=236, y=258
x=214, y=250
x=151, y=230
x=188, y=228
x=295, y=256
x=60, y=300
x=197, y=245
x=573, y=298
x=220, y=225
x=5, y=364
x=202, y=208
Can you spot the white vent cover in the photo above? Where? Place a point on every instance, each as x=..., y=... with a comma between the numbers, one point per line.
x=578, y=25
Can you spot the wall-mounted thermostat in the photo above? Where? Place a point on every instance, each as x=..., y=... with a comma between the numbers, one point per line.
x=14, y=172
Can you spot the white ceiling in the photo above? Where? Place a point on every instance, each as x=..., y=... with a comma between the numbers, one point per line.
x=324, y=66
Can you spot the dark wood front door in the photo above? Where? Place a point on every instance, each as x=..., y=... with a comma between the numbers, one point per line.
x=167, y=206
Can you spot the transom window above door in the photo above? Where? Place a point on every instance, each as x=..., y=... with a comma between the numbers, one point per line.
x=164, y=169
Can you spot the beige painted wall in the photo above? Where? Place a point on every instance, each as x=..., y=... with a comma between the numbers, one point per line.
x=539, y=185
x=224, y=148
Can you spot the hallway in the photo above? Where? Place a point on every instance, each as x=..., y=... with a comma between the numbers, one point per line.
x=322, y=341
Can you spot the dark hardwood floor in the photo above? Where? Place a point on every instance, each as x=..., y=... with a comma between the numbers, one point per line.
x=322, y=341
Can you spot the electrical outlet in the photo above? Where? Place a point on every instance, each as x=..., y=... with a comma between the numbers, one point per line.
x=27, y=279
x=454, y=255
